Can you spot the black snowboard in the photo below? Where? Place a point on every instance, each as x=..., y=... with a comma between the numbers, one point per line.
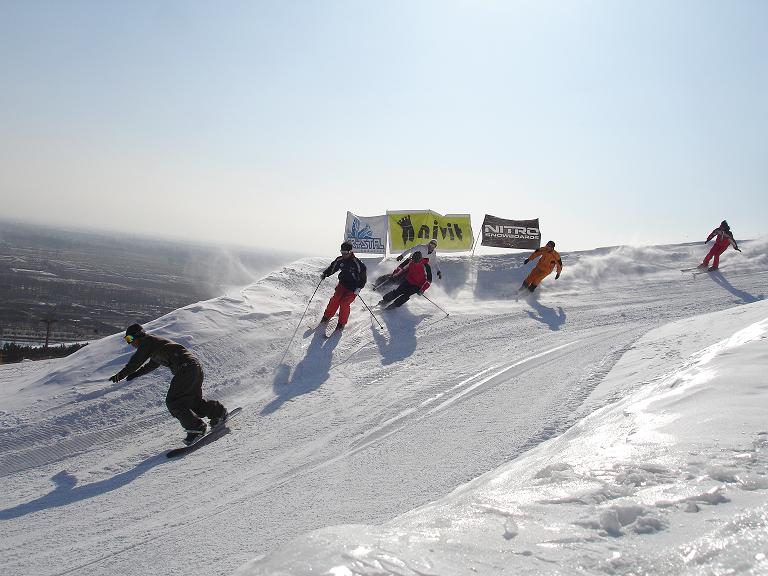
x=208, y=437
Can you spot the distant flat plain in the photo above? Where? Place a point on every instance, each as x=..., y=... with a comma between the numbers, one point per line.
x=86, y=285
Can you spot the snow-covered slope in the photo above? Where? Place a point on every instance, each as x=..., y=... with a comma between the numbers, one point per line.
x=613, y=422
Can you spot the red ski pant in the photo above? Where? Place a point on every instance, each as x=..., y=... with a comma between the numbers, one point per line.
x=341, y=299
x=715, y=252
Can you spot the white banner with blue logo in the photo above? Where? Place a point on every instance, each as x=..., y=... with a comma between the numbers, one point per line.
x=367, y=234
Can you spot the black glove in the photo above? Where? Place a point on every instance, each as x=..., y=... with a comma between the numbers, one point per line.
x=323, y=276
x=556, y=277
x=439, y=275
x=525, y=261
x=132, y=375
x=420, y=293
x=399, y=258
x=115, y=378
x=737, y=249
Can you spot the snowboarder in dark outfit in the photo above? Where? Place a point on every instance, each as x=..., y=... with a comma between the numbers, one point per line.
x=352, y=279
x=416, y=278
x=723, y=238
x=185, y=396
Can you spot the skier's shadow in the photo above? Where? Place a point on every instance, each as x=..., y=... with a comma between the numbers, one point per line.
x=308, y=375
x=401, y=327
x=550, y=317
x=67, y=492
x=721, y=280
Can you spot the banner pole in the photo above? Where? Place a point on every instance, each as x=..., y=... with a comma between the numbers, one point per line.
x=474, y=244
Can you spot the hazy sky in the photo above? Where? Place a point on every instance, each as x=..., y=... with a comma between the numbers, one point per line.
x=261, y=123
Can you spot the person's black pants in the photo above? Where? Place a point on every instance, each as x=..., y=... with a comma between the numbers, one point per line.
x=185, y=397
x=400, y=295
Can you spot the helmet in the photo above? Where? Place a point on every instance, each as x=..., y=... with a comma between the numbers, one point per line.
x=433, y=242
x=346, y=246
x=550, y=243
x=724, y=225
x=416, y=256
x=135, y=330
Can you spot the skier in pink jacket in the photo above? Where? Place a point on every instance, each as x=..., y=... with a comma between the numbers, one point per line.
x=723, y=238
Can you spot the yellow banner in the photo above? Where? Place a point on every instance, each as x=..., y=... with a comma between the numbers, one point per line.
x=408, y=228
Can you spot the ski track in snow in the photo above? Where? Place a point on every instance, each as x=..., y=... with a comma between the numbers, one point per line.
x=392, y=419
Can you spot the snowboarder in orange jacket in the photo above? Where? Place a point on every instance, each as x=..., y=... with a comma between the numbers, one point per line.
x=549, y=259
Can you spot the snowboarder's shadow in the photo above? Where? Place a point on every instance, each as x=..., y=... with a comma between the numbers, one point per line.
x=68, y=492
x=721, y=280
x=308, y=375
x=401, y=327
x=550, y=317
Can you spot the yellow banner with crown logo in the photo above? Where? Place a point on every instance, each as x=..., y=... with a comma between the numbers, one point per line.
x=409, y=228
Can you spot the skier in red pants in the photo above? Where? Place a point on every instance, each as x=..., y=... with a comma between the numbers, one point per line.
x=724, y=238
x=352, y=278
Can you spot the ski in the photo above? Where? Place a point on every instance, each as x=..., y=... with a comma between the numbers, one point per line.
x=383, y=282
x=330, y=327
x=705, y=271
x=326, y=328
x=211, y=435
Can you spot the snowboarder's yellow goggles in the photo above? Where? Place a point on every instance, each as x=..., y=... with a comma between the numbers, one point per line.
x=128, y=338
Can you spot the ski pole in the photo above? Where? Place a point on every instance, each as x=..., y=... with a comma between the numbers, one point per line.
x=438, y=307
x=372, y=314
x=302, y=319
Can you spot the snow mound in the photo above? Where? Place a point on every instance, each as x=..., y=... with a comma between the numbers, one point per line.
x=658, y=461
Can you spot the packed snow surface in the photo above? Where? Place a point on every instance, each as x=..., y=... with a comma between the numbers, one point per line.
x=614, y=422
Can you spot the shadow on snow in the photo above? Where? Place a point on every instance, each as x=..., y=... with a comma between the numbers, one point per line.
x=549, y=316
x=67, y=491
x=308, y=375
x=401, y=327
x=721, y=280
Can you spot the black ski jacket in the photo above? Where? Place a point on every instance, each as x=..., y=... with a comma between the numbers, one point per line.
x=160, y=352
x=352, y=272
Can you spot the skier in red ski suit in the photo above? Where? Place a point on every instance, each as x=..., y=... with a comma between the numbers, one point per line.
x=416, y=278
x=724, y=238
x=352, y=278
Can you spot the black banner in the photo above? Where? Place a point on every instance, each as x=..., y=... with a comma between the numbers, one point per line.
x=503, y=233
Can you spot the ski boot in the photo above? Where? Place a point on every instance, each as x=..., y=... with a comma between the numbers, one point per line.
x=195, y=435
x=220, y=420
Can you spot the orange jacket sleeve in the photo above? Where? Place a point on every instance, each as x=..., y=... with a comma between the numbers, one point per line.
x=536, y=254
